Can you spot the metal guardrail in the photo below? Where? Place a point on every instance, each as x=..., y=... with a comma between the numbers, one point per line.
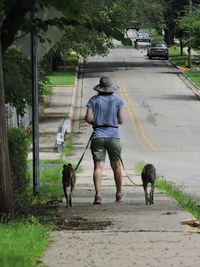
x=61, y=134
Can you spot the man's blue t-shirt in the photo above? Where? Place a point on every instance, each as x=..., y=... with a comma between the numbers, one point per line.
x=105, y=109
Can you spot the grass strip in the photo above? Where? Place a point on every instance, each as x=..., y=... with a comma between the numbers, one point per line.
x=194, y=77
x=68, y=145
x=179, y=60
x=182, y=62
x=173, y=191
x=47, y=174
x=52, y=161
x=50, y=174
x=49, y=161
x=49, y=192
x=182, y=198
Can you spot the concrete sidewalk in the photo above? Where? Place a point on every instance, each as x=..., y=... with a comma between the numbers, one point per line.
x=58, y=106
x=122, y=234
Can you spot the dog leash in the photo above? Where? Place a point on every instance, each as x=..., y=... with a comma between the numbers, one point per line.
x=79, y=162
x=127, y=173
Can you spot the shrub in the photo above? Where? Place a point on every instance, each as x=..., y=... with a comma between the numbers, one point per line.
x=17, y=79
x=19, y=143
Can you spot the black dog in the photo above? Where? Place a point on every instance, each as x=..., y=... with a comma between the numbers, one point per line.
x=149, y=176
x=68, y=180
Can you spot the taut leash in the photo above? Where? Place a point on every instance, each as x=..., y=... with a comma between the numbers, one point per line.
x=79, y=162
x=126, y=172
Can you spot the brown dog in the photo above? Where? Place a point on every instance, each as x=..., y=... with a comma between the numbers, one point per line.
x=149, y=176
x=68, y=180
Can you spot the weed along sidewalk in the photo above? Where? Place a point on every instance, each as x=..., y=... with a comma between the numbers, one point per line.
x=120, y=234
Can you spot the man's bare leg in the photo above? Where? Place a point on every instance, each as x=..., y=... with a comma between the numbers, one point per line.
x=98, y=169
x=116, y=167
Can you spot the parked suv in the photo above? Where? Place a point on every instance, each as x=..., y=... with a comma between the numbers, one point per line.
x=157, y=50
x=143, y=36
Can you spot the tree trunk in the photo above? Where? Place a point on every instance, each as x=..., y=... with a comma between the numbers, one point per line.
x=169, y=36
x=189, y=57
x=181, y=46
x=6, y=204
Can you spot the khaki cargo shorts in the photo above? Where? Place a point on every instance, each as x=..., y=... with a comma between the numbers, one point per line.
x=99, y=146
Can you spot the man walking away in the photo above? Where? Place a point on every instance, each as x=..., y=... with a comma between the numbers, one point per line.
x=104, y=112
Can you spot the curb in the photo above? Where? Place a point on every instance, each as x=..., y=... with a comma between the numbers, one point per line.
x=191, y=85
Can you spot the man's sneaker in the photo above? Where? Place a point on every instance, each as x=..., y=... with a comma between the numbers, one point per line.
x=97, y=200
x=120, y=197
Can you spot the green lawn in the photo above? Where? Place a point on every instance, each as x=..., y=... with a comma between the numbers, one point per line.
x=194, y=76
x=23, y=240
x=50, y=174
x=21, y=244
x=156, y=37
x=182, y=62
x=66, y=77
x=174, y=54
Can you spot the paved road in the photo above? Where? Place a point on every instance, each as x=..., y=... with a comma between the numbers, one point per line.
x=162, y=116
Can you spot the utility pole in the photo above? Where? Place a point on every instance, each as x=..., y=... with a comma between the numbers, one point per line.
x=189, y=46
x=35, y=104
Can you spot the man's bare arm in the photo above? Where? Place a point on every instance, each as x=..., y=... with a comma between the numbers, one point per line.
x=120, y=116
x=89, y=116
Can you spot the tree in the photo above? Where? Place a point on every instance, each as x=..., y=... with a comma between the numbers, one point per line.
x=17, y=79
x=172, y=10
x=149, y=14
x=189, y=24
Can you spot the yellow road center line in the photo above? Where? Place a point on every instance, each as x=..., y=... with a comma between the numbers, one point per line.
x=134, y=125
x=132, y=119
x=137, y=117
x=134, y=114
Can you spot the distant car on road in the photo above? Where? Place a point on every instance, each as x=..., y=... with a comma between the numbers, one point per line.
x=143, y=36
x=157, y=50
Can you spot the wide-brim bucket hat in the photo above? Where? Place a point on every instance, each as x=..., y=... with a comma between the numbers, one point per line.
x=106, y=86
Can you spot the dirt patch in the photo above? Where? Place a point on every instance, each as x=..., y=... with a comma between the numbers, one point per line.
x=80, y=223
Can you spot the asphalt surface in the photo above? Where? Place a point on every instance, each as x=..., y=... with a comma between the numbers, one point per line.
x=132, y=233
